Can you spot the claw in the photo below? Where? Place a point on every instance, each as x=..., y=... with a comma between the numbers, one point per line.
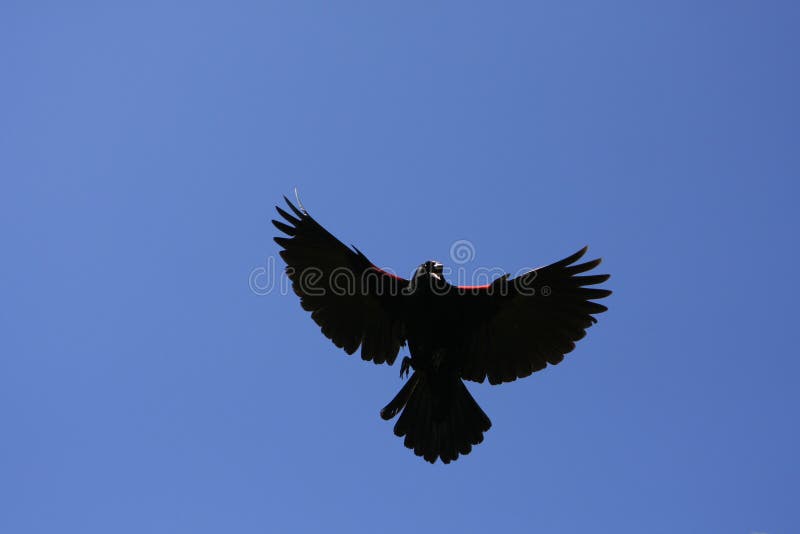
x=405, y=365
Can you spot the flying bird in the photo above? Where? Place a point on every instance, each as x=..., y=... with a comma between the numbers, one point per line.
x=501, y=331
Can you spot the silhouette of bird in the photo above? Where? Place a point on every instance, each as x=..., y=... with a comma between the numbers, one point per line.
x=502, y=331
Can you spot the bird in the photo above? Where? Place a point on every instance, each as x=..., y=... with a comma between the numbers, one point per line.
x=500, y=332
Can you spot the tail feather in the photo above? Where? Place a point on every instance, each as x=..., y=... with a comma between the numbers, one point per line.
x=400, y=400
x=439, y=419
x=450, y=447
x=463, y=438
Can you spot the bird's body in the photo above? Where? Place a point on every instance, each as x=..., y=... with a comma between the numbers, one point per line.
x=439, y=417
x=501, y=331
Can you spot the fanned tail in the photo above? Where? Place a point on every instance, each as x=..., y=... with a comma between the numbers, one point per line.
x=440, y=418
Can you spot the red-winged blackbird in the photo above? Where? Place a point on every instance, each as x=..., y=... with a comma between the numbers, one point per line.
x=505, y=330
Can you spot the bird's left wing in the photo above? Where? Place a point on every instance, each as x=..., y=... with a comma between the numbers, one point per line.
x=516, y=327
x=354, y=302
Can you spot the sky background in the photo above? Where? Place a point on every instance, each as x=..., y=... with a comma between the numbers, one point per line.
x=147, y=385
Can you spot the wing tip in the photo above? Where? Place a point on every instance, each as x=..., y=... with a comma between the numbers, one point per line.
x=569, y=260
x=301, y=212
x=578, y=255
x=283, y=227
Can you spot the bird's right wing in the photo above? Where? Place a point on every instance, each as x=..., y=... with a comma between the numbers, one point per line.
x=354, y=302
x=516, y=327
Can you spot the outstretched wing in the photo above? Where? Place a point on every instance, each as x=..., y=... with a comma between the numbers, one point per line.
x=516, y=327
x=354, y=302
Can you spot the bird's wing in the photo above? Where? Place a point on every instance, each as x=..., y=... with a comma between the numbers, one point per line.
x=516, y=327
x=354, y=302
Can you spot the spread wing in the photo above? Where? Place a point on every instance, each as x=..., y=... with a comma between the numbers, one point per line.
x=354, y=302
x=516, y=327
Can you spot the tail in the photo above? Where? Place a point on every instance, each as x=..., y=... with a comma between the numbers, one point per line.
x=440, y=418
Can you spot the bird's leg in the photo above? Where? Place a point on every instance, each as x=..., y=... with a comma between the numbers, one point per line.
x=405, y=365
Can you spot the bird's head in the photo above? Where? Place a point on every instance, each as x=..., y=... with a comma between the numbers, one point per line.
x=431, y=268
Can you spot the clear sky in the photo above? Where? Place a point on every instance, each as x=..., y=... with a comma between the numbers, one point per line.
x=147, y=386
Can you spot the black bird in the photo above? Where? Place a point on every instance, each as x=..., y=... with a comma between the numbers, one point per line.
x=502, y=331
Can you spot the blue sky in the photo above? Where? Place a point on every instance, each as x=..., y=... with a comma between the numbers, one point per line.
x=145, y=387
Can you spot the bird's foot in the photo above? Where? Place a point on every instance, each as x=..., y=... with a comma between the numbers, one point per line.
x=405, y=365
